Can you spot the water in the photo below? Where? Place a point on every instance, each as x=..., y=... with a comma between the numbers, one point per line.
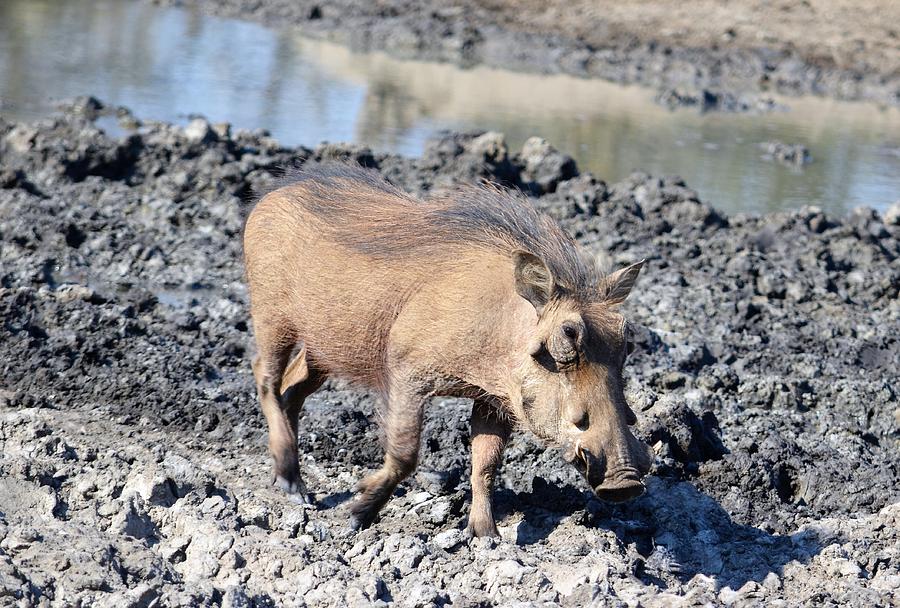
x=168, y=63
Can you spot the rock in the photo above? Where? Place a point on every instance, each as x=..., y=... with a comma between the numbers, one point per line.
x=318, y=530
x=440, y=511
x=141, y=596
x=202, y=555
x=466, y=157
x=772, y=582
x=424, y=596
x=86, y=106
x=491, y=146
x=199, y=131
x=21, y=138
x=293, y=520
x=728, y=596
x=154, y=487
x=420, y=498
x=132, y=519
x=357, y=153
x=795, y=155
x=437, y=482
x=892, y=215
x=235, y=597
x=19, y=540
x=173, y=549
x=448, y=539
x=577, y=197
x=690, y=436
x=19, y=498
x=222, y=130
x=706, y=100
x=846, y=568
x=544, y=166
x=889, y=583
x=505, y=570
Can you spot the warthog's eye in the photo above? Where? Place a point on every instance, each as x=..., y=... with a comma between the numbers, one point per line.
x=563, y=346
x=570, y=331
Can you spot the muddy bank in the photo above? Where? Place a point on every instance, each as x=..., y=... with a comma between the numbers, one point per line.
x=134, y=471
x=689, y=51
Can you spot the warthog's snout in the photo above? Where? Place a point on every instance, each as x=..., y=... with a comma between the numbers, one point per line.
x=614, y=482
x=620, y=487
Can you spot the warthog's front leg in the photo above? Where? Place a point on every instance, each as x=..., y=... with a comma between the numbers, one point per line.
x=403, y=432
x=490, y=432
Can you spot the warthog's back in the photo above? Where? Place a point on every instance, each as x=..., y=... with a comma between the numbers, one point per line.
x=334, y=256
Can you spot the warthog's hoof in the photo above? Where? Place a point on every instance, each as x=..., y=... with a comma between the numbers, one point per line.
x=296, y=490
x=482, y=529
x=360, y=522
x=362, y=513
x=354, y=524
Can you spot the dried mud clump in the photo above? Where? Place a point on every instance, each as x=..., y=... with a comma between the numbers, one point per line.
x=134, y=472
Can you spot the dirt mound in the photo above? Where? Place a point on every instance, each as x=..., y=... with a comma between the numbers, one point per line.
x=134, y=469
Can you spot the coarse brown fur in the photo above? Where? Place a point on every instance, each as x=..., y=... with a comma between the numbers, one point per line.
x=469, y=293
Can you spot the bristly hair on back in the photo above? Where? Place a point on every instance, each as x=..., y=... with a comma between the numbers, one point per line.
x=365, y=213
x=328, y=174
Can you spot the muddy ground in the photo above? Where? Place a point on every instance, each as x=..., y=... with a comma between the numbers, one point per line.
x=732, y=53
x=134, y=470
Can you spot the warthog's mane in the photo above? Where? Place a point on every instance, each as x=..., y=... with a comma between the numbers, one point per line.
x=367, y=214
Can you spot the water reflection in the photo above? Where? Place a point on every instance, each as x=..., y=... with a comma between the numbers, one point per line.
x=168, y=63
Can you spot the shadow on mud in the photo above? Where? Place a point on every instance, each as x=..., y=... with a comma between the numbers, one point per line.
x=677, y=531
x=334, y=500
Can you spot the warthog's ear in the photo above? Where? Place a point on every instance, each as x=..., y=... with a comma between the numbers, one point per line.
x=618, y=285
x=533, y=279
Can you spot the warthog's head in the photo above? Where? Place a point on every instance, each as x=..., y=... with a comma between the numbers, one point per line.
x=571, y=379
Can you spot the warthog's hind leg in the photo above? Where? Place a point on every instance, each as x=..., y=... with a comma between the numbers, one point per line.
x=283, y=381
x=403, y=431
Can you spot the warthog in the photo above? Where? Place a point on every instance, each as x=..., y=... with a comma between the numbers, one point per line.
x=470, y=294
